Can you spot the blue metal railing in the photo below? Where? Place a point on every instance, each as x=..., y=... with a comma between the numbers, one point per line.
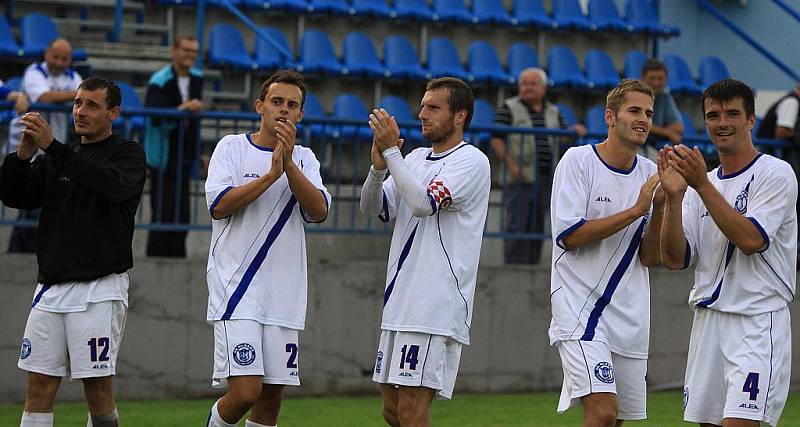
x=788, y=9
x=342, y=148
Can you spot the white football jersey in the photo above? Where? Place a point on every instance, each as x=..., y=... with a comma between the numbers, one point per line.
x=257, y=260
x=601, y=291
x=726, y=279
x=433, y=261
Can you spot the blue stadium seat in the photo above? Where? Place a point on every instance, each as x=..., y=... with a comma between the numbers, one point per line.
x=350, y=107
x=600, y=69
x=334, y=7
x=413, y=9
x=482, y=116
x=563, y=68
x=490, y=12
x=266, y=56
x=312, y=110
x=689, y=131
x=604, y=15
x=130, y=100
x=642, y=16
x=595, y=122
x=568, y=14
x=226, y=48
x=359, y=56
x=14, y=83
x=679, y=78
x=374, y=8
x=712, y=69
x=520, y=57
x=399, y=108
x=317, y=54
x=634, y=62
x=37, y=31
x=484, y=65
x=295, y=6
x=531, y=13
x=8, y=44
x=451, y=10
x=400, y=58
x=569, y=117
x=443, y=59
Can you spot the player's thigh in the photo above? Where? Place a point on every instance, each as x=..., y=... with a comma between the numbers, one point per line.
x=630, y=376
x=44, y=344
x=704, y=384
x=94, y=337
x=588, y=369
x=281, y=349
x=237, y=350
x=757, y=365
x=414, y=359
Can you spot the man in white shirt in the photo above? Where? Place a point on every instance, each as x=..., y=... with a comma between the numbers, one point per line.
x=438, y=197
x=604, y=238
x=260, y=190
x=738, y=226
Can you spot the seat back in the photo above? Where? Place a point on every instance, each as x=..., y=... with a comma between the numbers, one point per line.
x=266, y=54
x=634, y=62
x=520, y=57
x=712, y=69
x=600, y=69
x=37, y=30
x=358, y=52
x=225, y=44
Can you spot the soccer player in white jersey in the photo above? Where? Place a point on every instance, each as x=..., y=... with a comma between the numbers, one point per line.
x=604, y=238
x=738, y=226
x=438, y=197
x=260, y=190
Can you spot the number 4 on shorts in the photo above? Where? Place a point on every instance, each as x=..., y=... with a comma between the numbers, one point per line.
x=751, y=385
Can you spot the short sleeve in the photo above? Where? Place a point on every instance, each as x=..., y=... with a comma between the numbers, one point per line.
x=220, y=175
x=569, y=197
x=310, y=167
x=458, y=184
x=34, y=84
x=787, y=113
x=691, y=214
x=772, y=198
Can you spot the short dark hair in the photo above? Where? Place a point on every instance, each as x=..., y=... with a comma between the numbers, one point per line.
x=113, y=93
x=285, y=76
x=727, y=90
x=460, y=96
x=181, y=38
x=653, y=64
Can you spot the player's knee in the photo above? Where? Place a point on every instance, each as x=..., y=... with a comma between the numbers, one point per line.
x=41, y=392
x=391, y=417
x=245, y=396
x=604, y=416
x=408, y=414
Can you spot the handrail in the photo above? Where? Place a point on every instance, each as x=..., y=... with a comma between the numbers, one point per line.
x=749, y=40
x=788, y=9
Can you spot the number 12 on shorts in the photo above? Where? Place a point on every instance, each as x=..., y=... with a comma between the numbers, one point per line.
x=410, y=355
x=751, y=385
x=101, y=344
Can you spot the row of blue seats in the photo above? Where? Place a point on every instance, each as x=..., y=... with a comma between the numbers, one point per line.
x=36, y=32
x=640, y=15
x=317, y=55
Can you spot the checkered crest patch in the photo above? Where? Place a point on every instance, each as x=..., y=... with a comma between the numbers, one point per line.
x=440, y=193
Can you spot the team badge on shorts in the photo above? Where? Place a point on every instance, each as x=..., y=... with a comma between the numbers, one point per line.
x=244, y=354
x=378, y=362
x=25, y=351
x=604, y=372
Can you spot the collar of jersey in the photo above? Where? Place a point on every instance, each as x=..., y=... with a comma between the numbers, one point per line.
x=612, y=168
x=735, y=174
x=257, y=146
x=441, y=156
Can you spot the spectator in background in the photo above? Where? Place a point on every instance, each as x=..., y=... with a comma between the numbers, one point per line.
x=21, y=104
x=529, y=161
x=172, y=145
x=667, y=121
x=50, y=81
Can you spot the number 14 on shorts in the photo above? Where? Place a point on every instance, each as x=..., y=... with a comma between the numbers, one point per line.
x=409, y=354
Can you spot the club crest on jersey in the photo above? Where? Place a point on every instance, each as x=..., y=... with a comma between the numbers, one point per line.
x=25, y=351
x=440, y=194
x=378, y=362
x=604, y=372
x=244, y=354
x=741, y=202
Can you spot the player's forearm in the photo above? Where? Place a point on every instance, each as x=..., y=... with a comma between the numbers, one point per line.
x=372, y=192
x=735, y=226
x=308, y=196
x=57, y=96
x=413, y=193
x=673, y=241
x=239, y=197
x=650, y=249
x=595, y=230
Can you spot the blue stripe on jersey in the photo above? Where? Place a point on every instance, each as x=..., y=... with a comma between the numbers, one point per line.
x=433, y=203
x=384, y=217
x=403, y=256
x=715, y=295
x=687, y=255
x=39, y=295
x=261, y=255
x=216, y=201
x=567, y=232
x=613, y=282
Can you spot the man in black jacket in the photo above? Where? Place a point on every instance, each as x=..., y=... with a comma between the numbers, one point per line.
x=88, y=194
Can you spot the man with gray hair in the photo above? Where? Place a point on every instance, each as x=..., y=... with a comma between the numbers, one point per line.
x=529, y=162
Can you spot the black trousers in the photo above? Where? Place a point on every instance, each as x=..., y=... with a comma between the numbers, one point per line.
x=526, y=206
x=169, y=204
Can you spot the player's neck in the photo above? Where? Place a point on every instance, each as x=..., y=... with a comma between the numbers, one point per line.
x=95, y=138
x=734, y=162
x=449, y=143
x=617, y=153
x=264, y=139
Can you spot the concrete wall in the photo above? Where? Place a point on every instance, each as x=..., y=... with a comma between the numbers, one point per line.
x=166, y=351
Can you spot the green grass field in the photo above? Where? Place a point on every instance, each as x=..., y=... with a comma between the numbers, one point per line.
x=664, y=409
